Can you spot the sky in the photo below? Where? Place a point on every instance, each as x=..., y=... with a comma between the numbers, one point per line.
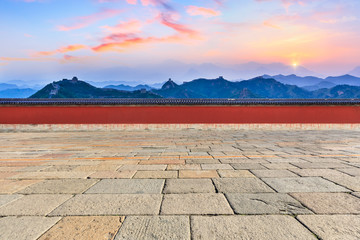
x=146, y=40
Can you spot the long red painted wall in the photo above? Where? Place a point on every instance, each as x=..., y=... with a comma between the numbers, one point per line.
x=177, y=114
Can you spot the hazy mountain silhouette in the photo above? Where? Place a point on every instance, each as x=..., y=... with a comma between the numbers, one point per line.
x=320, y=85
x=8, y=90
x=129, y=88
x=17, y=93
x=4, y=86
x=344, y=79
x=355, y=72
x=311, y=81
x=296, y=80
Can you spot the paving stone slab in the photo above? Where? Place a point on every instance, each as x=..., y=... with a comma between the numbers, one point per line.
x=100, y=167
x=317, y=172
x=247, y=166
x=162, y=161
x=33, y=168
x=235, y=173
x=59, y=186
x=303, y=184
x=12, y=186
x=248, y=228
x=279, y=166
x=351, y=171
x=241, y=185
x=356, y=194
x=198, y=174
x=202, y=161
x=196, y=203
x=4, y=199
x=128, y=186
x=216, y=166
x=333, y=227
x=329, y=203
x=5, y=175
x=143, y=167
x=33, y=205
x=265, y=203
x=189, y=186
x=184, y=167
x=320, y=165
x=155, y=228
x=273, y=173
x=156, y=174
x=87, y=227
x=51, y=175
x=25, y=228
x=110, y=204
x=113, y=174
x=60, y=168
x=243, y=160
x=9, y=169
x=349, y=182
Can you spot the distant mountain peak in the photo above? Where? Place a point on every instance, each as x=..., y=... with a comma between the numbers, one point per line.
x=74, y=79
x=355, y=72
x=169, y=84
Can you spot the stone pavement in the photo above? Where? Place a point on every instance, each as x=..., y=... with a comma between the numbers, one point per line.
x=180, y=184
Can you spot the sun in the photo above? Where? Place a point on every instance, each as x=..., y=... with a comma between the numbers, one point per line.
x=295, y=64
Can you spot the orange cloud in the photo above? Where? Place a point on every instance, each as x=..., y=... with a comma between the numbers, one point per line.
x=10, y=59
x=65, y=49
x=125, y=27
x=85, y=21
x=206, y=12
x=269, y=24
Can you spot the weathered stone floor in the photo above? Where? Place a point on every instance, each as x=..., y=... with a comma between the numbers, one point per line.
x=180, y=184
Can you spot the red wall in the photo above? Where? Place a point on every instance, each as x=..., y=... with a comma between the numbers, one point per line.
x=177, y=114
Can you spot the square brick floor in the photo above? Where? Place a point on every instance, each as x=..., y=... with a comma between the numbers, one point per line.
x=180, y=184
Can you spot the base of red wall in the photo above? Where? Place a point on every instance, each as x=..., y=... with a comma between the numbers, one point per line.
x=178, y=114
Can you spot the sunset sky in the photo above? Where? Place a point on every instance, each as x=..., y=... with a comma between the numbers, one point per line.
x=50, y=39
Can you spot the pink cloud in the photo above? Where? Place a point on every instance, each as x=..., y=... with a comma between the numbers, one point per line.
x=180, y=28
x=288, y=3
x=206, y=12
x=131, y=1
x=65, y=49
x=84, y=21
x=120, y=42
x=69, y=57
x=119, y=37
x=133, y=42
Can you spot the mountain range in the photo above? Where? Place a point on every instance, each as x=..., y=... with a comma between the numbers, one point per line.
x=313, y=81
x=8, y=90
x=259, y=87
x=79, y=89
